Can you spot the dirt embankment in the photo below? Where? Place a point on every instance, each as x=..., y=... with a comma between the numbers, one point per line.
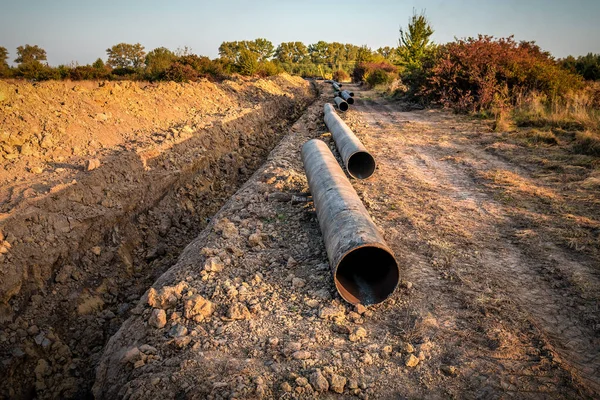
x=102, y=185
x=499, y=293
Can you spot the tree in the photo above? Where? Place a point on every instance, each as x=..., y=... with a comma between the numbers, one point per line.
x=158, y=60
x=230, y=51
x=98, y=64
x=125, y=55
x=319, y=52
x=3, y=64
x=415, y=42
x=263, y=47
x=291, y=52
x=30, y=54
x=247, y=62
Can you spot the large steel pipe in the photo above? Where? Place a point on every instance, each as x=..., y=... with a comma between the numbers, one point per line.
x=359, y=162
x=364, y=268
x=340, y=103
x=346, y=96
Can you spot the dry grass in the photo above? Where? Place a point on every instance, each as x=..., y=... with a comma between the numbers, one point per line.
x=576, y=111
x=536, y=136
x=587, y=142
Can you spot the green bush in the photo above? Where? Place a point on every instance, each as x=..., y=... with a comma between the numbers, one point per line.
x=268, y=68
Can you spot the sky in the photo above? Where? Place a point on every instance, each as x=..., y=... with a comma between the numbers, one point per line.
x=81, y=30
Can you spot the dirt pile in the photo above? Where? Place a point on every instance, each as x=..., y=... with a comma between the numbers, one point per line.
x=103, y=184
x=491, y=304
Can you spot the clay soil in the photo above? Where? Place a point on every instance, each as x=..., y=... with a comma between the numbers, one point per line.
x=102, y=184
x=498, y=242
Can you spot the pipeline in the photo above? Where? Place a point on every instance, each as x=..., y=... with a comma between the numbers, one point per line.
x=337, y=86
x=344, y=94
x=364, y=268
x=359, y=163
x=341, y=103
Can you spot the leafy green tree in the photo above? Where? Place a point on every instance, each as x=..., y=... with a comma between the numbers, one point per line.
x=263, y=47
x=291, y=52
x=319, y=52
x=30, y=54
x=124, y=55
x=158, y=60
x=99, y=64
x=230, y=51
x=4, y=68
x=415, y=40
x=247, y=62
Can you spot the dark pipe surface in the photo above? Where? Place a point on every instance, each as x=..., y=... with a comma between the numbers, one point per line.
x=359, y=162
x=337, y=86
x=341, y=103
x=346, y=96
x=364, y=268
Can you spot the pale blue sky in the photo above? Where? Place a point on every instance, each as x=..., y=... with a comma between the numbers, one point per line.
x=82, y=30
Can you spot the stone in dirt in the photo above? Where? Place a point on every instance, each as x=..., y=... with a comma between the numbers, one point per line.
x=197, y=308
x=131, y=356
x=319, y=382
x=213, y=264
x=178, y=331
x=298, y=282
x=158, y=318
x=449, y=370
x=238, y=311
x=166, y=297
x=358, y=334
x=255, y=239
x=338, y=383
x=331, y=313
x=227, y=229
x=411, y=361
x=301, y=355
x=92, y=164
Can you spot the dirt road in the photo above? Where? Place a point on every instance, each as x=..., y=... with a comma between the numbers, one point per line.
x=498, y=245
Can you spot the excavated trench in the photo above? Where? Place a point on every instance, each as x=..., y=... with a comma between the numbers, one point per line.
x=87, y=252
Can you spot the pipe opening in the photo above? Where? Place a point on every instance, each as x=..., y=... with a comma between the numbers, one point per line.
x=367, y=275
x=361, y=165
x=351, y=94
x=350, y=100
x=343, y=106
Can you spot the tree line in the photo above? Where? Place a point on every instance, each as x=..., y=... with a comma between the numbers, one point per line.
x=411, y=60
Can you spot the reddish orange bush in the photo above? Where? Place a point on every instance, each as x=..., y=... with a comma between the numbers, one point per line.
x=486, y=73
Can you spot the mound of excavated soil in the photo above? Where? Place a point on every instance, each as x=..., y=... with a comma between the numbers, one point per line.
x=102, y=185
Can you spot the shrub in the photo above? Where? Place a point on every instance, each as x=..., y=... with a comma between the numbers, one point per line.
x=247, y=62
x=363, y=69
x=341, y=76
x=486, y=73
x=379, y=77
x=178, y=72
x=268, y=68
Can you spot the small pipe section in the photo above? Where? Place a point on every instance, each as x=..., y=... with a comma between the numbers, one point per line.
x=341, y=104
x=359, y=163
x=346, y=96
x=364, y=268
x=337, y=86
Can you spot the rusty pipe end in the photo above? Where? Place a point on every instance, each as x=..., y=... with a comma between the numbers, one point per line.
x=367, y=275
x=361, y=165
x=341, y=103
